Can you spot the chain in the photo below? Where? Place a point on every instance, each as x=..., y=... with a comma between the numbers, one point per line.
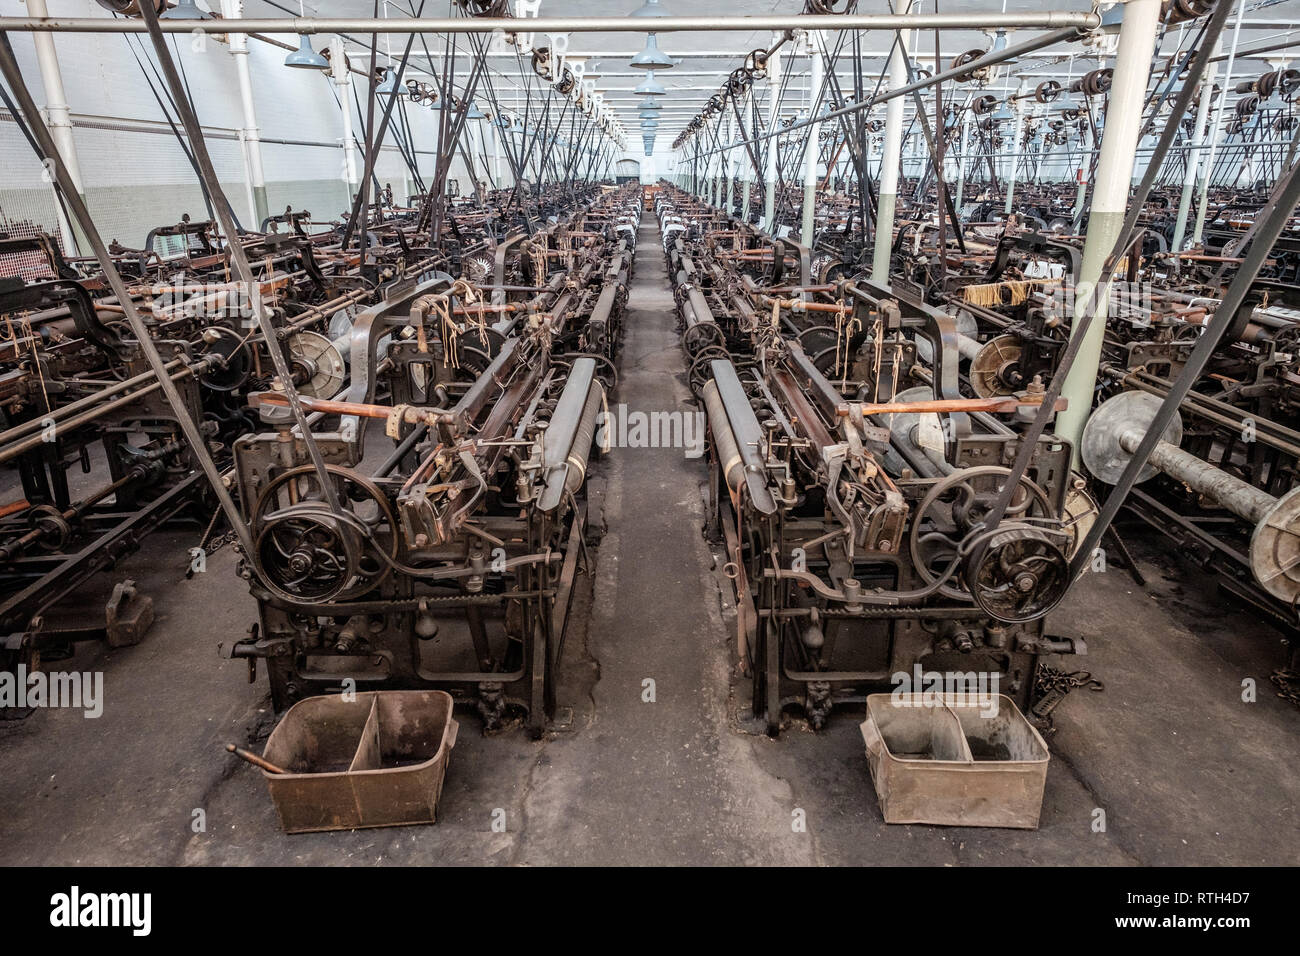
x=210, y=545
x=220, y=541
x=1287, y=683
x=1052, y=678
x=1050, y=687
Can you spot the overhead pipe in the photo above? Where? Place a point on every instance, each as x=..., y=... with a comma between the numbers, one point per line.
x=1046, y=20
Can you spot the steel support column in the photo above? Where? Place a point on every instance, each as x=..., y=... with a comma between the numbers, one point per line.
x=813, y=152
x=249, y=134
x=1194, y=158
x=342, y=80
x=891, y=155
x=773, y=146
x=1110, y=196
x=59, y=120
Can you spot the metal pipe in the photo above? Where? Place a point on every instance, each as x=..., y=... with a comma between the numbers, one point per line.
x=1114, y=176
x=1046, y=20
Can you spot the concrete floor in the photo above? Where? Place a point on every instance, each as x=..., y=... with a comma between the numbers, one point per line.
x=1185, y=771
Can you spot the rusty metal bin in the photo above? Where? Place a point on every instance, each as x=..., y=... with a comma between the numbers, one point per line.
x=948, y=764
x=376, y=760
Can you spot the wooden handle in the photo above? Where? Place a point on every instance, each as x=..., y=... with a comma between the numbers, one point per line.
x=254, y=759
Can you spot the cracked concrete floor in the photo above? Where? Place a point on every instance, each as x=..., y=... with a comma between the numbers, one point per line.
x=1184, y=770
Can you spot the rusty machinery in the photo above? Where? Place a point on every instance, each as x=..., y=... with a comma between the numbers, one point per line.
x=448, y=558
x=851, y=479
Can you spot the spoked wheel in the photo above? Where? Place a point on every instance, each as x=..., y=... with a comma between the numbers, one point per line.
x=700, y=372
x=996, y=370
x=471, y=362
x=606, y=371
x=700, y=336
x=1017, y=573
x=307, y=552
x=818, y=338
x=955, y=508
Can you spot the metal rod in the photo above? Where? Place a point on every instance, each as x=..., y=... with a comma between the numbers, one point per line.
x=1046, y=20
x=988, y=59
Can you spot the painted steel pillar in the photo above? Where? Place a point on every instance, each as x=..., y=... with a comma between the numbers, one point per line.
x=727, y=171
x=342, y=80
x=813, y=152
x=1216, y=130
x=1196, y=155
x=1110, y=195
x=891, y=156
x=1086, y=146
x=773, y=115
x=59, y=120
x=249, y=134
x=967, y=118
x=1017, y=145
x=747, y=180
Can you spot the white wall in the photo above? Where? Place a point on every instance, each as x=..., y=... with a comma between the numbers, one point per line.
x=137, y=179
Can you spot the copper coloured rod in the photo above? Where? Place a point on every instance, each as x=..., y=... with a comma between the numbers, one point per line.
x=1008, y=404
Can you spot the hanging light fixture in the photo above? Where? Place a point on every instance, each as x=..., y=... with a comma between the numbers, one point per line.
x=1002, y=113
x=651, y=8
x=305, y=58
x=652, y=58
x=474, y=112
x=650, y=86
x=388, y=84
x=185, y=10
